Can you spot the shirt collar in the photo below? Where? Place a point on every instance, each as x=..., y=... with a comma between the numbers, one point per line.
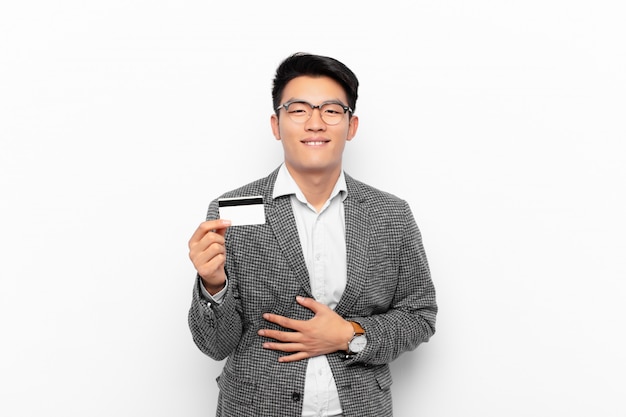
x=286, y=185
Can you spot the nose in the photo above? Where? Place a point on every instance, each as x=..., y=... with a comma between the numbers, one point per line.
x=315, y=122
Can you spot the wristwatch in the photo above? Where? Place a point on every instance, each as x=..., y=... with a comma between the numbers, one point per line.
x=358, y=341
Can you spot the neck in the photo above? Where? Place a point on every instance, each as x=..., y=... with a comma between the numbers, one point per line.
x=316, y=185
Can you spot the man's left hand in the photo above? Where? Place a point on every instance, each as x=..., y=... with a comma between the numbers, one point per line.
x=326, y=332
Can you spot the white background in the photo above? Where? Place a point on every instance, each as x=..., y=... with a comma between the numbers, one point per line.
x=501, y=122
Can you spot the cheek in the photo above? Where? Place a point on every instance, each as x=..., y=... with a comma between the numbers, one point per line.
x=343, y=133
x=290, y=132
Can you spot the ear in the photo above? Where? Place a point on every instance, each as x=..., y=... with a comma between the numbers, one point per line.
x=275, y=126
x=352, y=127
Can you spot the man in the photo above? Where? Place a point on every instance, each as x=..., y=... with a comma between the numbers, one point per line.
x=311, y=306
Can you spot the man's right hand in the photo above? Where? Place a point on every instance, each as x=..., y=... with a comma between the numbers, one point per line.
x=208, y=253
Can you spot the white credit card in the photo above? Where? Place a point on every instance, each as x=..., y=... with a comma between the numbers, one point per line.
x=242, y=211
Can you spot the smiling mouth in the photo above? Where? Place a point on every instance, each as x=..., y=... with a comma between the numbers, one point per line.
x=315, y=142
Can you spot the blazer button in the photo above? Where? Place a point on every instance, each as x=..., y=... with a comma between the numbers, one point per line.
x=295, y=396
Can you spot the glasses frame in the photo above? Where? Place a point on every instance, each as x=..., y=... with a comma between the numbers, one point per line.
x=285, y=105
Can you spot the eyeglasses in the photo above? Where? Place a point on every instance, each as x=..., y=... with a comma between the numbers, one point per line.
x=300, y=111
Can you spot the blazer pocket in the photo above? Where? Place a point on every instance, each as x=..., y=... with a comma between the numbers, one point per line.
x=236, y=390
x=384, y=379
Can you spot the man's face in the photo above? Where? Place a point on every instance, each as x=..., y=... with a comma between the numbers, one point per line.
x=313, y=146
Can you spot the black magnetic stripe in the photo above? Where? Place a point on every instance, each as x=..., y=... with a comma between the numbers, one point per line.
x=241, y=202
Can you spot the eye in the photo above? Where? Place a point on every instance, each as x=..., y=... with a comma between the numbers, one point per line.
x=298, y=108
x=333, y=109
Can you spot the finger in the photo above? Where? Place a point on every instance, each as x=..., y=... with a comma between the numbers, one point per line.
x=310, y=303
x=210, y=267
x=219, y=226
x=293, y=358
x=225, y=225
x=211, y=241
x=209, y=246
x=283, y=347
x=282, y=321
x=205, y=250
x=288, y=348
x=280, y=335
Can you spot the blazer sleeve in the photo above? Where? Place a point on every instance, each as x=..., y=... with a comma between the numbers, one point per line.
x=410, y=320
x=215, y=327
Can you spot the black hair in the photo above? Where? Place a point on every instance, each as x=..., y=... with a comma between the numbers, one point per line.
x=302, y=63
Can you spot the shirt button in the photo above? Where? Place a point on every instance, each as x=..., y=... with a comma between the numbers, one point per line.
x=295, y=396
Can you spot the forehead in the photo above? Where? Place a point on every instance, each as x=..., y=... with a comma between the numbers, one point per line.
x=314, y=89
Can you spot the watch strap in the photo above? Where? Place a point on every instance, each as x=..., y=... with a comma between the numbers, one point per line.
x=358, y=330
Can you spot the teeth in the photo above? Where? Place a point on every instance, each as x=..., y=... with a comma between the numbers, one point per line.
x=315, y=143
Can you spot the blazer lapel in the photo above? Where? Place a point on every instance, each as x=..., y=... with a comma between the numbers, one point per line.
x=357, y=241
x=283, y=224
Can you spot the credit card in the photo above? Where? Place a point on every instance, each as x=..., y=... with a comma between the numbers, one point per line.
x=242, y=211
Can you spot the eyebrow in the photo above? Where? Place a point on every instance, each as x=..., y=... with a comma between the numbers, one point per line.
x=335, y=101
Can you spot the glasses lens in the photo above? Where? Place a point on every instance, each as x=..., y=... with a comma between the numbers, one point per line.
x=332, y=113
x=299, y=112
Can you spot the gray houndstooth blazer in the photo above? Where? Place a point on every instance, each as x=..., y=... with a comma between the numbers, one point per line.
x=389, y=292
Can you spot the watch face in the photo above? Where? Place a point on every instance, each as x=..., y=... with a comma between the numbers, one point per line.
x=357, y=344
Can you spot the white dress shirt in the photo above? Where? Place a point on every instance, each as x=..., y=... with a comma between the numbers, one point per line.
x=323, y=239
